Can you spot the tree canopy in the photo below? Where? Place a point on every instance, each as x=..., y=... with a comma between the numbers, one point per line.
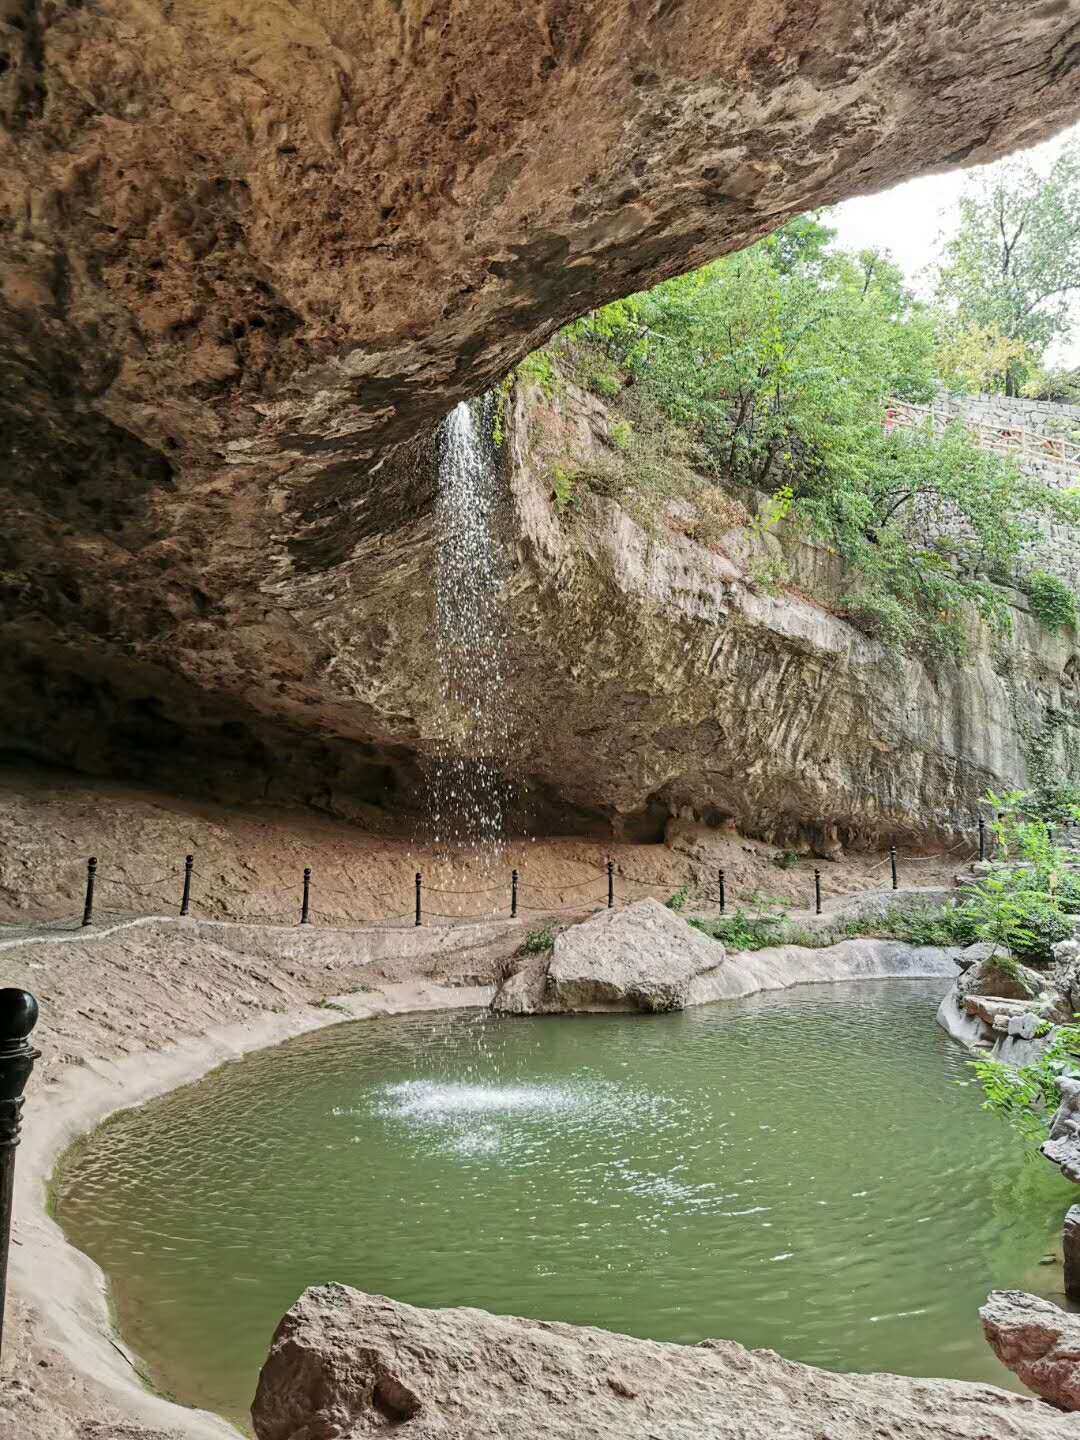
x=772, y=370
x=1010, y=272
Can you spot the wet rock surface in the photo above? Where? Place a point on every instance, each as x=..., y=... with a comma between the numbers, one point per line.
x=347, y=1364
x=1038, y=1341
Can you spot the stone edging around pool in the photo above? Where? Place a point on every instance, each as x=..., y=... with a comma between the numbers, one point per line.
x=68, y=1288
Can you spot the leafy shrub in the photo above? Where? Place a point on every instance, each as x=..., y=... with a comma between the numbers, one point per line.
x=1026, y=922
x=1051, y=800
x=1027, y=1097
x=539, y=368
x=562, y=488
x=1024, y=905
x=621, y=433
x=599, y=374
x=786, y=859
x=677, y=902
x=949, y=926
x=537, y=941
x=772, y=370
x=741, y=931
x=1051, y=600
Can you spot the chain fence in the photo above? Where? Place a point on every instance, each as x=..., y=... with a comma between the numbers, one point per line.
x=177, y=890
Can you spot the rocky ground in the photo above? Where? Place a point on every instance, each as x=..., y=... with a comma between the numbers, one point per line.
x=350, y=1365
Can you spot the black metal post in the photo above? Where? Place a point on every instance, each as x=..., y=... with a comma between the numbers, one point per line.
x=305, y=907
x=982, y=838
x=610, y=884
x=88, y=908
x=18, y=1016
x=419, y=882
x=721, y=892
x=817, y=892
x=185, y=903
x=892, y=863
x=513, y=893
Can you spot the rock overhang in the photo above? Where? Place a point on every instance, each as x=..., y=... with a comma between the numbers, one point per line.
x=249, y=257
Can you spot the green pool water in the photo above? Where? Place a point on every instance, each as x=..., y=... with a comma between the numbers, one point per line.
x=809, y=1171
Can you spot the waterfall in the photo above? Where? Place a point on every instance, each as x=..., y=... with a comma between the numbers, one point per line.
x=468, y=800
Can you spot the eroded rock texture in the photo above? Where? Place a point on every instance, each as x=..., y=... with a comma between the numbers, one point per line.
x=348, y=1364
x=249, y=252
x=1037, y=1340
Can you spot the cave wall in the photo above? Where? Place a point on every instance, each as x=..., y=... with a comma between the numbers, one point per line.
x=669, y=681
x=249, y=253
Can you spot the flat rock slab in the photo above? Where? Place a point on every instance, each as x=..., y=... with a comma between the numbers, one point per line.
x=1037, y=1341
x=643, y=957
x=349, y=1365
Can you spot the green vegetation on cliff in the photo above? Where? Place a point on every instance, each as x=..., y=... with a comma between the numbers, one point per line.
x=772, y=371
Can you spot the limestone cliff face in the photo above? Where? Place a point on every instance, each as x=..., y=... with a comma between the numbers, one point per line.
x=248, y=252
x=668, y=682
x=649, y=676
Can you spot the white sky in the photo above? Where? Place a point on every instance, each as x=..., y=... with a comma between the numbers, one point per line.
x=909, y=220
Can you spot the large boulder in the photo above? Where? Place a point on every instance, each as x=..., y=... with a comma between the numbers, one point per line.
x=999, y=974
x=642, y=958
x=1067, y=977
x=1038, y=1341
x=347, y=1365
x=1063, y=1145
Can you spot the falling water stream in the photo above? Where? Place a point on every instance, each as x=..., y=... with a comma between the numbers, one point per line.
x=468, y=791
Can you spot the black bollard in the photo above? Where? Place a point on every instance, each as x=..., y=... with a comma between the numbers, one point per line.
x=18, y=1016
x=91, y=874
x=305, y=906
x=982, y=838
x=817, y=892
x=419, y=882
x=610, y=884
x=722, y=897
x=892, y=863
x=185, y=903
x=513, y=893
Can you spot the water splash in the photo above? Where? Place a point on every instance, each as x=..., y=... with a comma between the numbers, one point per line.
x=468, y=791
x=443, y=1102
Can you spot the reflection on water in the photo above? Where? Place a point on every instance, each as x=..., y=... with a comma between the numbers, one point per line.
x=809, y=1171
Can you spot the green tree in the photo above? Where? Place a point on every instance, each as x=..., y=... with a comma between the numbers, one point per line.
x=774, y=369
x=1014, y=263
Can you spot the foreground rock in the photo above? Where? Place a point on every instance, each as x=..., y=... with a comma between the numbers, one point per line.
x=347, y=1365
x=1038, y=1341
x=999, y=1005
x=642, y=958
